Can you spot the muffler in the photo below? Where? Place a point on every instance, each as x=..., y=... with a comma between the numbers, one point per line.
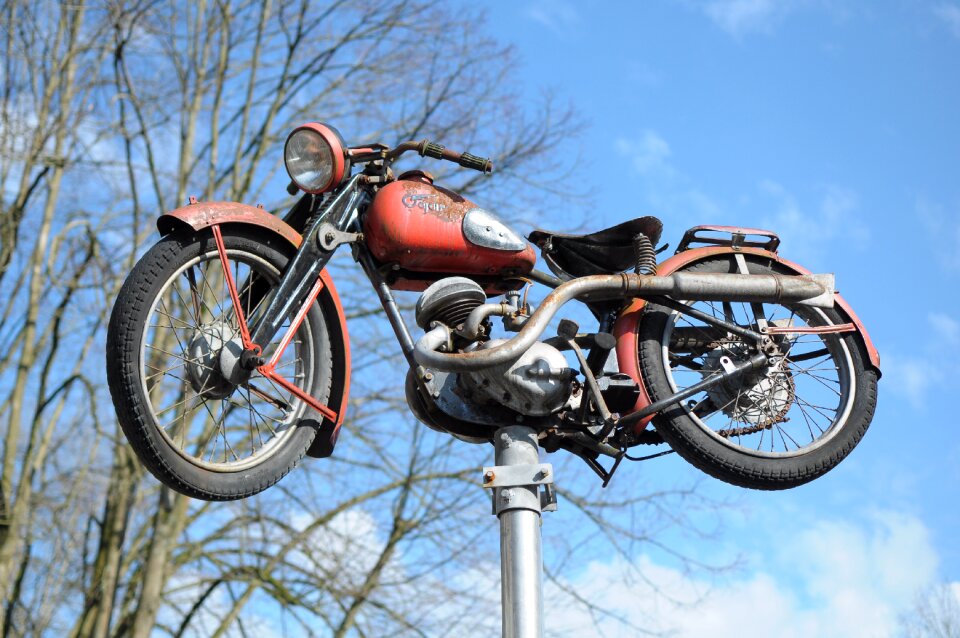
x=807, y=290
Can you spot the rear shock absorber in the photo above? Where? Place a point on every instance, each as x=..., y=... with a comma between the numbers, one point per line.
x=646, y=255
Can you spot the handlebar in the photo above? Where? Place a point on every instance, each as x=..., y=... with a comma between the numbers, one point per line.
x=466, y=160
x=426, y=148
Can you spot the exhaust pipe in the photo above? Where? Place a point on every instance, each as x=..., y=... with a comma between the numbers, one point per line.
x=807, y=290
x=812, y=290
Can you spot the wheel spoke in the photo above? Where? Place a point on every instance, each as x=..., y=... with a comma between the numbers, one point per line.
x=217, y=425
x=816, y=354
x=755, y=412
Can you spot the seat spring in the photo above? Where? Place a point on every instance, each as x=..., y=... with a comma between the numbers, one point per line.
x=646, y=255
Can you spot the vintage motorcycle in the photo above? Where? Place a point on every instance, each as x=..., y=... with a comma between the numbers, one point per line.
x=228, y=357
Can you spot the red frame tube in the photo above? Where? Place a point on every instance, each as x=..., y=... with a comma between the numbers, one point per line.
x=232, y=287
x=268, y=370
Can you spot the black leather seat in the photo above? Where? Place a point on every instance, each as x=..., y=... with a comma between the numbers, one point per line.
x=603, y=252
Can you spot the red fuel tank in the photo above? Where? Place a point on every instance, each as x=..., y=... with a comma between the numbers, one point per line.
x=427, y=232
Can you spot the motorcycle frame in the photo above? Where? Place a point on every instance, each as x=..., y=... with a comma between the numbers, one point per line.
x=306, y=281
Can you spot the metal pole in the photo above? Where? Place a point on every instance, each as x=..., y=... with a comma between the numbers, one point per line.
x=517, y=505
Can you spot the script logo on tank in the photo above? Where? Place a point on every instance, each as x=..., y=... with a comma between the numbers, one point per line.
x=426, y=203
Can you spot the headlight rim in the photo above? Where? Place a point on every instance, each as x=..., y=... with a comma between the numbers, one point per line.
x=334, y=140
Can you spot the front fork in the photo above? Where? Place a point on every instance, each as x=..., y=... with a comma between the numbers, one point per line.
x=300, y=285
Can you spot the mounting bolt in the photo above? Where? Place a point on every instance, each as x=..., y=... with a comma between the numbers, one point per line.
x=567, y=329
x=488, y=476
x=428, y=376
x=249, y=360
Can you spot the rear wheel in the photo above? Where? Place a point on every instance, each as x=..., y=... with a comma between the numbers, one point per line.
x=197, y=418
x=777, y=427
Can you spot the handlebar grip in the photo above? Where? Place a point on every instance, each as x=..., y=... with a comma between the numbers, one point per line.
x=431, y=149
x=481, y=164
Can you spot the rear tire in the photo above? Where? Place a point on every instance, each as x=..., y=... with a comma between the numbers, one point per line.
x=199, y=432
x=776, y=431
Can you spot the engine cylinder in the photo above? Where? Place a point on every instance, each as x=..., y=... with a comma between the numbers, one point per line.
x=449, y=301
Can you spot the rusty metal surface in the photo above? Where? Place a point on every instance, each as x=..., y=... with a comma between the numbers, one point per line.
x=419, y=227
x=816, y=290
x=737, y=287
x=626, y=328
x=425, y=350
x=809, y=330
x=626, y=331
x=204, y=214
x=734, y=230
x=738, y=237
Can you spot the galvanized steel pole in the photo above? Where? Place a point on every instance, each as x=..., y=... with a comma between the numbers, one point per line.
x=518, y=508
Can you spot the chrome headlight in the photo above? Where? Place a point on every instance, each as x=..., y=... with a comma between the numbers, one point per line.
x=314, y=157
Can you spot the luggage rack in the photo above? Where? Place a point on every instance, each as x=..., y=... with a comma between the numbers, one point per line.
x=733, y=236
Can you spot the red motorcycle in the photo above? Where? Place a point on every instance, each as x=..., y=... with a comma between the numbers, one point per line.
x=229, y=360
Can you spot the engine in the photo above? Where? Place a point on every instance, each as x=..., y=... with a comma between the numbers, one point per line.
x=538, y=383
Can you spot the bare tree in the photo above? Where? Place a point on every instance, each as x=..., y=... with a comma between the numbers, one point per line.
x=114, y=112
x=935, y=614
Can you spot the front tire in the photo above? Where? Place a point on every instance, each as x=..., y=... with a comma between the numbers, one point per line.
x=781, y=428
x=196, y=419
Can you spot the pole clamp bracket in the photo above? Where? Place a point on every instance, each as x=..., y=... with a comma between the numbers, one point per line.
x=500, y=477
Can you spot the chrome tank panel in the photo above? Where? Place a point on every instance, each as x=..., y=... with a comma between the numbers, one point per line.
x=483, y=228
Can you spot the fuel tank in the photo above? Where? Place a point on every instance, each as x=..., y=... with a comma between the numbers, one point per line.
x=425, y=232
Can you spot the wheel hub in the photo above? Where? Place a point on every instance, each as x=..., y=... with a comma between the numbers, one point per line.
x=761, y=398
x=214, y=368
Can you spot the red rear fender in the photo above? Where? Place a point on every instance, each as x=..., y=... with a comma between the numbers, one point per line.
x=626, y=329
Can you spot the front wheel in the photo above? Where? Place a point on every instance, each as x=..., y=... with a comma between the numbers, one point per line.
x=198, y=419
x=777, y=427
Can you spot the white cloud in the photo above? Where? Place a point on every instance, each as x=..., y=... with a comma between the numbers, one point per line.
x=949, y=14
x=668, y=192
x=917, y=375
x=558, y=16
x=946, y=327
x=943, y=232
x=739, y=17
x=828, y=578
x=811, y=232
x=743, y=17
x=649, y=153
x=185, y=588
x=911, y=377
x=850, y=577
x=351, y=546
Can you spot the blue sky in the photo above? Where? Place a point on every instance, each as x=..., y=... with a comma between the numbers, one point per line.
x=835, y=123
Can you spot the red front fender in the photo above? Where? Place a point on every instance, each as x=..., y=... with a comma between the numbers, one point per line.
x=205, y=214
x=626, y=328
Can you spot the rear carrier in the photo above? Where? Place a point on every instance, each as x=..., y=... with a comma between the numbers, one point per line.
x=732, y=236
